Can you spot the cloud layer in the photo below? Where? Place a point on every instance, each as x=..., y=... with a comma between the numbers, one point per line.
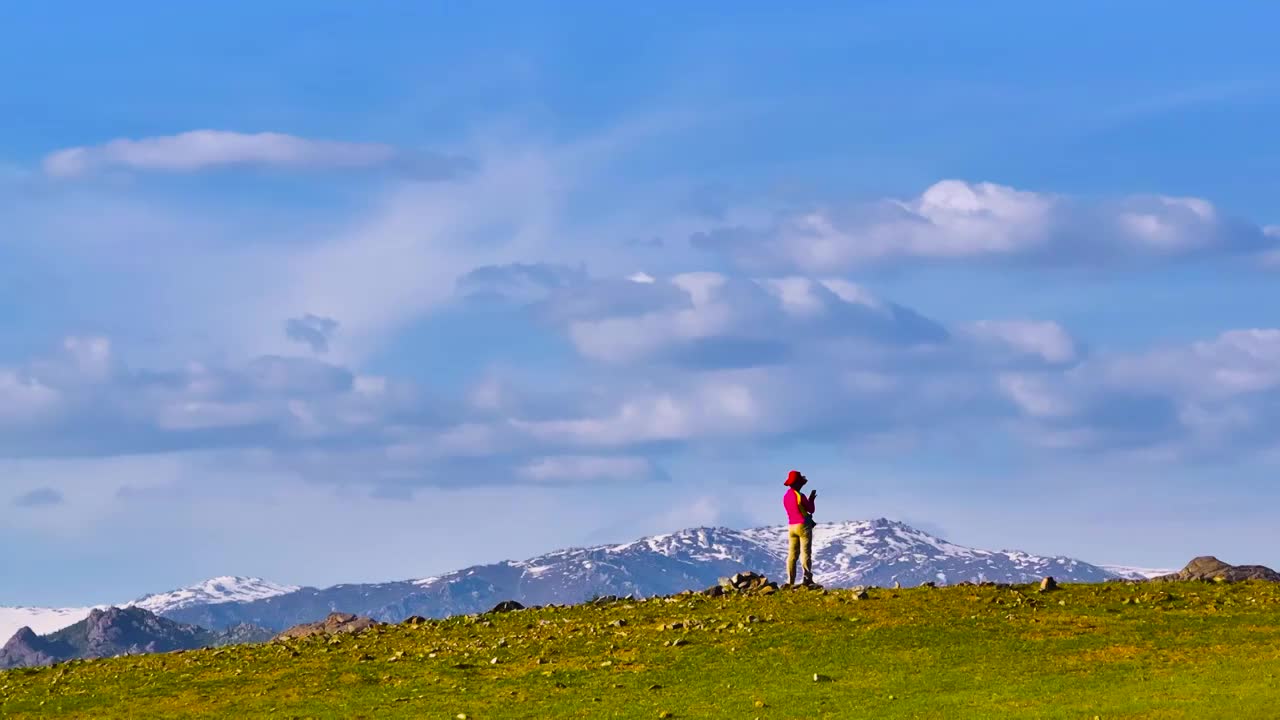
x=691, y=360
x=668, y=349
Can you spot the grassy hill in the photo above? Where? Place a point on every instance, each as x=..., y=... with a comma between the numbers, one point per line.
x=1177, y=650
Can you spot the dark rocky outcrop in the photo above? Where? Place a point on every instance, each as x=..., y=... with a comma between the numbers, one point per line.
x=105, y=633
x=1209, y=568
x=26, y=649
x=335, y=623
x=244, y=634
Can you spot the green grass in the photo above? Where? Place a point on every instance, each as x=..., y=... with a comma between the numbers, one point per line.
x=1191, y=650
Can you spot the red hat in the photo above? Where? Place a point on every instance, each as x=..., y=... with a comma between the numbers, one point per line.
x=793, y=477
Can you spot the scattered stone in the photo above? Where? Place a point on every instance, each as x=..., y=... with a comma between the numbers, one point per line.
x=821, y=678
x=507, y=606
x=414, y=620
x=861, y=595
x=620, y=622
x=1048, y=584
x=743, y=582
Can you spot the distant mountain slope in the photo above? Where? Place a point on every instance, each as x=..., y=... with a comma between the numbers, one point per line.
x=43, y=621
x=117, y=631
x=876, y=552
x=104, y=633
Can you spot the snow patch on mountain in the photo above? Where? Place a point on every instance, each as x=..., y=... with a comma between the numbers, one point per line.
x=222, y=589
x=42, y=621
x=1135, y=573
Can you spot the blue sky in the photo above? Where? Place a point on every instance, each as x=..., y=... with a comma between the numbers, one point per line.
x=323, y=294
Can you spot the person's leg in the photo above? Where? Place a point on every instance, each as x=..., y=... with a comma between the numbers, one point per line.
x=793, y=552
x=806, y=551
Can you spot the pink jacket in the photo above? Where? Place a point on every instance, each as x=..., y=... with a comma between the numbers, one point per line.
x=798, y=506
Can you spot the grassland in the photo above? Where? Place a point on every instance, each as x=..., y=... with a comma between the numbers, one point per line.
x=1194, y=650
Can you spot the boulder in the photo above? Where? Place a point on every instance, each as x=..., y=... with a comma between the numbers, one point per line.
x=507, y=606
x=336, y=623
x=1209, y=568
x=1048, y=584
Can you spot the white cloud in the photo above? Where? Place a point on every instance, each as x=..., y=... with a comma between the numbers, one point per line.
x=199, y=150
x=1237, y=362
x=955, y=220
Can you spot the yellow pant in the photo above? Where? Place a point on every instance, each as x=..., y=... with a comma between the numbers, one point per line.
x=800, y=543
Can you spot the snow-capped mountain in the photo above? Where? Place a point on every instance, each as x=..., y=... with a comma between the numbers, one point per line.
x=227, y=588
x=876, y=552
x=882, y=552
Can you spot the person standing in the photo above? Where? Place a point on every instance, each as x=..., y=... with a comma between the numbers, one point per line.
x=800, y=525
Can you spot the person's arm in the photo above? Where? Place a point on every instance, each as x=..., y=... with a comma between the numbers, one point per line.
x=803, y=504
x=809, y=501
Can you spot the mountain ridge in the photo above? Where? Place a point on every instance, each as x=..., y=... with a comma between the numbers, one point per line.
x=869, y=552
x=878, y=551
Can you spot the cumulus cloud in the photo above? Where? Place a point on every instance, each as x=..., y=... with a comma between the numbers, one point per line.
x=1212, y=396
x=40, y=497
x=713, y=320
x=94, y=404
x=202, y=150
x=955, y=221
